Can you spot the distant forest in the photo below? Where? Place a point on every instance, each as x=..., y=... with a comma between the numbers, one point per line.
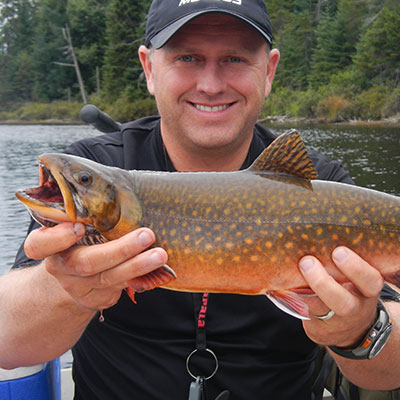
x=340, y=59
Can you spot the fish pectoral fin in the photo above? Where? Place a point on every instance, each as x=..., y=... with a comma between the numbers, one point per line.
x=131, y=293
x=289, y=302
x=153, y=279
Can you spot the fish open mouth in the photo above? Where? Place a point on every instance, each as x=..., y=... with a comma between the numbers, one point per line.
x=52, y=201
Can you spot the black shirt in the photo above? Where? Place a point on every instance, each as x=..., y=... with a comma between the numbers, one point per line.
x=140, y=350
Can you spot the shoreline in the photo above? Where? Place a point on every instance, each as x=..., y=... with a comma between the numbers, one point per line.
x=284, y=120
x=42, y=122
x=274, y=120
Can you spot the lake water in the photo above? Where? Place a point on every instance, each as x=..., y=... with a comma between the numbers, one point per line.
x=370, y=154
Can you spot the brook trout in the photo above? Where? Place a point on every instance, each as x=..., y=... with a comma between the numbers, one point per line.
x=226, y=232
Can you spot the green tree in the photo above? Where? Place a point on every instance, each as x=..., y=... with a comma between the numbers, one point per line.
x=125, y=31
x=18, y=19
x=51, y=81
x=337, y=37
x=378, y=52
x=17, y=24
x=6, y=93
x=296, y=44
x=87, y=20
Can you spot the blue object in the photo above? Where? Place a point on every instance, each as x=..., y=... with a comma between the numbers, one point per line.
x=42, y=382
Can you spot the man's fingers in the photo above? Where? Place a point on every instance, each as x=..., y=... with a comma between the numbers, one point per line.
x=140, y=265
x=332, y=294
x=42, y=243
x=90, y=260
x=363, y=276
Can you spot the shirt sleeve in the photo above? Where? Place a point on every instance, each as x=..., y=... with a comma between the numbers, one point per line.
x=329, y=170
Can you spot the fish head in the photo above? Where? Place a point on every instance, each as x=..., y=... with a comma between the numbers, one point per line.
x=74, y=189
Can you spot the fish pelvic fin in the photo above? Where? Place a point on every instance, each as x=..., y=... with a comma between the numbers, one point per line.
x=289, y=302
x=286, y=154
x=153, y=279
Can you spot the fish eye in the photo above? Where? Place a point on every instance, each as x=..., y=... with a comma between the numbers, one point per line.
x=84, y=178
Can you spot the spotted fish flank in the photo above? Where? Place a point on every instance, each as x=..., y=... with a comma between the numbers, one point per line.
x=227, y=232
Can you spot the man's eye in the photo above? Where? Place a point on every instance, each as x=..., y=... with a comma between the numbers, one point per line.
x=235, y=59
x=187, y=58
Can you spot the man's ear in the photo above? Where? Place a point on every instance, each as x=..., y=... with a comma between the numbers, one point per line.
x=273, y=59
x=145, y=59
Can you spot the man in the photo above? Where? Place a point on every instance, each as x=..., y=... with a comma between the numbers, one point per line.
x=209, y=66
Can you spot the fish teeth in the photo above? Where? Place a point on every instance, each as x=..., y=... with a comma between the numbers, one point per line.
x=211, y=109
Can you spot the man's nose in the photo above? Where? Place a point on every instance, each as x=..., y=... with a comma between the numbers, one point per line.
x=211, y=79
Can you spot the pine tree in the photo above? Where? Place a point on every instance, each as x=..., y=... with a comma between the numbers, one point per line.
x=87, y=21
x=337, y=37
x=17, y=26
x=378, y=53
x=51, y=81
x=125, y=31
x=296, y=44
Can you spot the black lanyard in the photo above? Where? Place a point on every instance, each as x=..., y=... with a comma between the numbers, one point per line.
x=197, y=390
x=201, y=304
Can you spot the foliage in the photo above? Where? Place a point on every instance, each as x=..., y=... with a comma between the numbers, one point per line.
x=87, y=23
x=60, y=111
x=51, y=82
x=332, y=108
x=339, y=58
x=125, y=31
x=124, y=109
x=378, y=54
x=371, y=104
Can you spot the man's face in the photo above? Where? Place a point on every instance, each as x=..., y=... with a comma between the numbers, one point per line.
x=210, y=81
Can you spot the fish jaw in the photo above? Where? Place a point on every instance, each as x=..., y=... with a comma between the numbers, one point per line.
x=50, y=203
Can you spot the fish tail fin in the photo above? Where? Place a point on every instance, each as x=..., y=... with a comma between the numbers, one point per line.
x=153, y=279
x=393, y=277
x=289, y=302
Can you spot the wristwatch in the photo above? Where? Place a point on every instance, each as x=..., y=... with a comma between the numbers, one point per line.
x=374, y=341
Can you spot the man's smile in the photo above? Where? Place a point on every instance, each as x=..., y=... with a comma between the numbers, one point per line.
x=202, y=107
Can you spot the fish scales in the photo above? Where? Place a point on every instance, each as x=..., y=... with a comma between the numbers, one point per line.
x=247, y=230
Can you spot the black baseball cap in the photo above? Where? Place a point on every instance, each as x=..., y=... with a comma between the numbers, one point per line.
x=166, y=17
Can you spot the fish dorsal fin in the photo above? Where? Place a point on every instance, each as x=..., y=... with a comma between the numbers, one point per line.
x=286, y=154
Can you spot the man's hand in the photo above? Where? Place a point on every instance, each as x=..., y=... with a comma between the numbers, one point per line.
x=94, y=276
x=354, y=303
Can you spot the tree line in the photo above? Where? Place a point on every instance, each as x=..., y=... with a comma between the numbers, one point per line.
x=340, y=59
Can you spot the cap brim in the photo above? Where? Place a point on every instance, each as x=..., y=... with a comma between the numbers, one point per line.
x=162, y=37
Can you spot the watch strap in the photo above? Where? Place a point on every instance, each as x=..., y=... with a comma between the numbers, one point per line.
x=373, y=342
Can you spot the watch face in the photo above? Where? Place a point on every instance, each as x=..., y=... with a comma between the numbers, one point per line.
x=373, y=342
x=380, y=342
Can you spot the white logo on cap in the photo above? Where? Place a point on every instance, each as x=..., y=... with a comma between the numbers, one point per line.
x=183, y=2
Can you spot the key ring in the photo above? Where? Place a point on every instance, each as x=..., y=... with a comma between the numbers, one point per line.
x=188, y=361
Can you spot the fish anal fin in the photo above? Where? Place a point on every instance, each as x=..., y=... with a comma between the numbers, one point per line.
x=286, y=154
x=153, y=279
x=289, y=302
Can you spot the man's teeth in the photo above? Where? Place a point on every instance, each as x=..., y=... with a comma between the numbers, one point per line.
x=211, y=109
